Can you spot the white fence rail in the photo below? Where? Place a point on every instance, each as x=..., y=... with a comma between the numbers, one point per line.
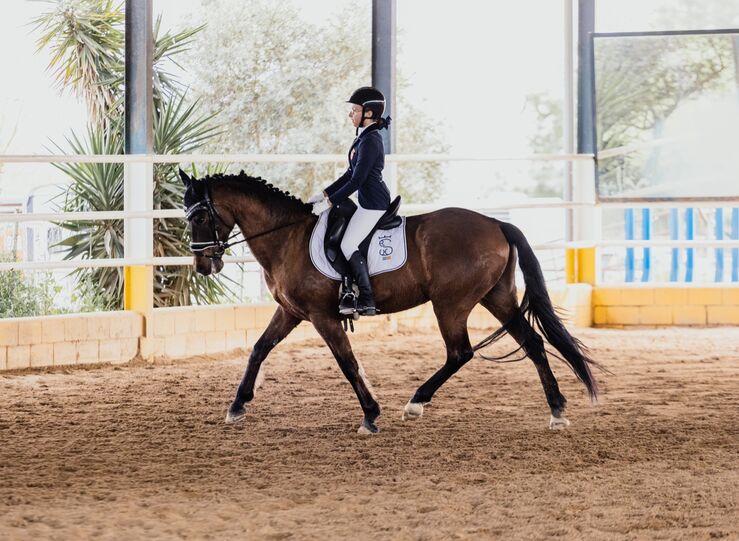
x=410, y=209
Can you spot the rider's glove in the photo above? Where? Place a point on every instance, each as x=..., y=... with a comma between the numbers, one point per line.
x=321, y=206
x=316, y=198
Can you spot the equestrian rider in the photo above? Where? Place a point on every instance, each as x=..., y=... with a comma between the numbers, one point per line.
x=364, y=174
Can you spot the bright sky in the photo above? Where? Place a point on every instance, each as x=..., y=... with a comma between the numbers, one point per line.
x=472, y=62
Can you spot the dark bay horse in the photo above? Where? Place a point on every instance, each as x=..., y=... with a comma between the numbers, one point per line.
x=457, y=259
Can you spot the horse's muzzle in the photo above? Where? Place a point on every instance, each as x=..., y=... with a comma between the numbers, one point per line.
x=208, y=265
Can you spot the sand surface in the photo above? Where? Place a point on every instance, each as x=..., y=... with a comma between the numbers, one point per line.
x=141, y=452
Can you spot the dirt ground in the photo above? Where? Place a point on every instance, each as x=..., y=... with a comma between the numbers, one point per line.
x=141, y=452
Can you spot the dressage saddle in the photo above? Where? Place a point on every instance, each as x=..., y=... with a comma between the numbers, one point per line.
x=338, y=220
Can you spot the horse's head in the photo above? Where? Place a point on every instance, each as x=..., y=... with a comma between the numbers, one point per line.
x=210, y=226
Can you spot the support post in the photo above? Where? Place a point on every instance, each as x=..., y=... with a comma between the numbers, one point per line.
x=581, y=263
x=674, y=252
x=719, y=228
x=646, y=234
x=689, y=252
x=629, y=235
x=568, y=112
x=383, y=73
x=735, y=251
x=138, y=179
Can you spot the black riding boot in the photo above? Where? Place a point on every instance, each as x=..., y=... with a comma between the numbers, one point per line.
x=366, y=301
x=348, y=303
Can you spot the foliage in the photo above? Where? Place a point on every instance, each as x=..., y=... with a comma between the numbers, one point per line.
x=280, y=83
x=21, y=296
x=547, y=139
x=639, y=84
x=86, y=40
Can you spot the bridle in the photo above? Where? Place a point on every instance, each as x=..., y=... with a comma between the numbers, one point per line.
x=219, y=246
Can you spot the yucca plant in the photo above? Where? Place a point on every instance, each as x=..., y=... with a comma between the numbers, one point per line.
x=86, y=41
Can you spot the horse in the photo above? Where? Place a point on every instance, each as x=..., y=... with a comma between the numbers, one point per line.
x=457, y=258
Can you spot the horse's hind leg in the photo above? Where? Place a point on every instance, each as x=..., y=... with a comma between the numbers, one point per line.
x=502, y=303
x=279, y=327
x=453, y=326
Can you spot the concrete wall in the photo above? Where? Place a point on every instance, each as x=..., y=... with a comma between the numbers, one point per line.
x=118, y=337
x=655, y=306
x=108, y=337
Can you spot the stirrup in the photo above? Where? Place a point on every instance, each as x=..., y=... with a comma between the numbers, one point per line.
x=348, y=304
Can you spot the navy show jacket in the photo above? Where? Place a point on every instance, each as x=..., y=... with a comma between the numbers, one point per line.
x=366, y=161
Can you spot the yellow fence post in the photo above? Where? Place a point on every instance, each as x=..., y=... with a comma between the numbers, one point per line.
x=138, y=288
x=138, y=176
x=580, y=266
x=581, y=262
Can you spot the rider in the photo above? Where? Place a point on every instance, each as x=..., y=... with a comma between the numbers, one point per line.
x=366, y=161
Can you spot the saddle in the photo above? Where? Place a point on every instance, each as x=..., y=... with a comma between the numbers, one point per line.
x=338, y=220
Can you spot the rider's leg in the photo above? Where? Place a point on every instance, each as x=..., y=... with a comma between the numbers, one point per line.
x=362, y=223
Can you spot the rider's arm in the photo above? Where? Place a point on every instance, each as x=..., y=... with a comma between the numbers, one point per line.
x=368, y=152
x=339, y=182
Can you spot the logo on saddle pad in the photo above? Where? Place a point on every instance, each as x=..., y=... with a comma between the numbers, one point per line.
x=387, y=250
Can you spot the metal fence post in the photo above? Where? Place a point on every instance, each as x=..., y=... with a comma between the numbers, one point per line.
x=138, y=179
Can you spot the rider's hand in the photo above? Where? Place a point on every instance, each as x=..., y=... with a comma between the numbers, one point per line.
x=321, y=206
x=316, y=198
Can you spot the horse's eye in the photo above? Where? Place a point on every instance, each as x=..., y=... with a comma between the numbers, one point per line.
x=199, y=220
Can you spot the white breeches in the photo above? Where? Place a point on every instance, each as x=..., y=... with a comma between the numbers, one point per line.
x=362, y=222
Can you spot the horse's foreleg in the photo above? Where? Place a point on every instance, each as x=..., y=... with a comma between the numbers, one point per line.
x=453, y=328
x=337, y=341
x=505, y=308
x=279, y=327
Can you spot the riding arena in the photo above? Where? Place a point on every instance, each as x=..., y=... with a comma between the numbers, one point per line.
x=558, y=360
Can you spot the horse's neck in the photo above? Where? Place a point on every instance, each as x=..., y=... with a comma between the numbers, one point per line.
x=272, y=230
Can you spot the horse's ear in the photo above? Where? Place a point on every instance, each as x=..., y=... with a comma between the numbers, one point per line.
x=185, y=179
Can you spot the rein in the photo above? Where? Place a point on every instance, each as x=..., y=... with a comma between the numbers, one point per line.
x=220, y=246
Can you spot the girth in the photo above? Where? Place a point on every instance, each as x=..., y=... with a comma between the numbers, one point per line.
x=338, y=220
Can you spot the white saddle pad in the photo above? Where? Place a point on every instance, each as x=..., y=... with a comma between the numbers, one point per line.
x=387, y=250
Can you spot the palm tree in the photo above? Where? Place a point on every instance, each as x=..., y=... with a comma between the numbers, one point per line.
x=86, y=40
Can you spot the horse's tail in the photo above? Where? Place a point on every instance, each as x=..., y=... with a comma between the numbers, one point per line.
x=536, y=306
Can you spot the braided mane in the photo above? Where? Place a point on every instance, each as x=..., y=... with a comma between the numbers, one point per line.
x=267, y=193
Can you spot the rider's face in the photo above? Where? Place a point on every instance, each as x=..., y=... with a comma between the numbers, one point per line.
x=355, y=115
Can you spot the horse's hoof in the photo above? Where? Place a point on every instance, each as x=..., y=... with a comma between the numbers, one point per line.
x=234, y=415
x=558, y=423
x=412, y=411
x=367, y=427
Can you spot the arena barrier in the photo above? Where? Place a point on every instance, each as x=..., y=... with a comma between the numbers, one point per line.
x=119, y=337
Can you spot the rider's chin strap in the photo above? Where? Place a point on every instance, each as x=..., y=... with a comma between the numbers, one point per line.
x=382, y=123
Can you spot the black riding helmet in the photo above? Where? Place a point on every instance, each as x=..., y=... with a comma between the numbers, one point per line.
x=371, y=100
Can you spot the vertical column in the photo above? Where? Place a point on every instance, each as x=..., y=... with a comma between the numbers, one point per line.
x=383, y=73
x=629, y=235
x=719, y=228
x=585, y=77
x=675, y=252
x=138, y=176
x=568, y=112
x=581, y=262
x=586, y=226
x=646, y=233
x=689, y=232
x=735, y=251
